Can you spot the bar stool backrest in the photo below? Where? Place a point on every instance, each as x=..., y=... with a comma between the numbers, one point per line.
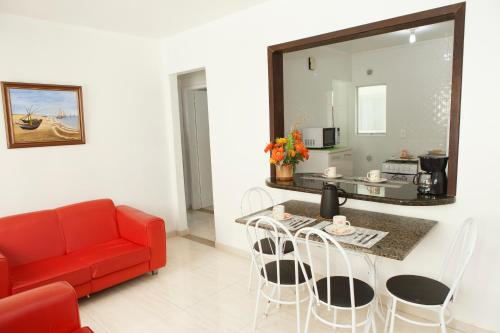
x=315, y=238
x=459, y=255
x=261, y=227
x=255, y=199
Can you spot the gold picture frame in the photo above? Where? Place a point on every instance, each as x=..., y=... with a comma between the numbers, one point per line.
x=39, y=115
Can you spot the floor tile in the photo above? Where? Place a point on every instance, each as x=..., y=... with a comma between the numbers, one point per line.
x=202, y=289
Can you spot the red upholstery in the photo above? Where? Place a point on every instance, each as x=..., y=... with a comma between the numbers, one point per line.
x=83, y=330
x=112, y=256
x=91, y=245
x=4, y=276
x=41, y=230
x=88, y=223
x=49, y=309
x=144, y=229
x=64, y=268
x=112, y=279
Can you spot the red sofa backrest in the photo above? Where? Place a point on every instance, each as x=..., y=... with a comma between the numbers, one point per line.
x=88, y=223
x=31, y=237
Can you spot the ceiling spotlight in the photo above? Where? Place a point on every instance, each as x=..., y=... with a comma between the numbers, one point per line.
x=413, y=37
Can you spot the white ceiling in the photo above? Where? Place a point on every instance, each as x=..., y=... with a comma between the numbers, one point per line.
x=149, y=18
x=426, y=32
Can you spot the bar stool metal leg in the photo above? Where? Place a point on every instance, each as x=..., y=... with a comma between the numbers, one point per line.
x=250, y=277
x=393, y=315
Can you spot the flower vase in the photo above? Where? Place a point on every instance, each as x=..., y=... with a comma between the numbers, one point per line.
x=284, y=172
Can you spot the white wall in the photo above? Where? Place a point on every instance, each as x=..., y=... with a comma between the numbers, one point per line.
x=124, y=157
x=418, y=80
x=233, y=51
x=307, y=93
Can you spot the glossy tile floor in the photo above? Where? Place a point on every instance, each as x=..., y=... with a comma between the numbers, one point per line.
x=202, y=289
x=201, y=224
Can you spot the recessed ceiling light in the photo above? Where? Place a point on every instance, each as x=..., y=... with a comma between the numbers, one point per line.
x=413, y=37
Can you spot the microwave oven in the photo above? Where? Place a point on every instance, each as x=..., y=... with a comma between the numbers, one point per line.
x=320, y=137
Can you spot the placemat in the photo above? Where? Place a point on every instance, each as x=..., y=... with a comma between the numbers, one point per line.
x=293, y=224
x=358, y=235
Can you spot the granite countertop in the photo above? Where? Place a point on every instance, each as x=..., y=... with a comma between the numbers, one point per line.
x=404, y=233
x=404, y=194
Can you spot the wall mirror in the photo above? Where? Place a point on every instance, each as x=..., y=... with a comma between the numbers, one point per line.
x=387, y=92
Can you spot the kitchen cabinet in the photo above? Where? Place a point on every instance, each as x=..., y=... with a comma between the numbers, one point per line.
x=320, y=159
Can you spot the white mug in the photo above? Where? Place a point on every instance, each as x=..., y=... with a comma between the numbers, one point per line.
x=340, y=222
x=331, y=172
x=373, y=175
x=279, y=212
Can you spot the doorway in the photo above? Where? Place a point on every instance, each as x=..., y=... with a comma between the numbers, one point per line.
x=195, y=135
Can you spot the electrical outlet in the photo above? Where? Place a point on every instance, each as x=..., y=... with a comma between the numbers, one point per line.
x=402, y=133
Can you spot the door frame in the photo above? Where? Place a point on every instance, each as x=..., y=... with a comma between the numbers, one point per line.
x=178, y=203
x=182, y=109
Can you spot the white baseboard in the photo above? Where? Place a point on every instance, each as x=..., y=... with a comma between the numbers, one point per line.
x=232, y=250
x=175, y=233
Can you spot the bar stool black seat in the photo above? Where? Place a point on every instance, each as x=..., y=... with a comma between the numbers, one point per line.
x=340, y=293
x=418, y=289
x=287, y=272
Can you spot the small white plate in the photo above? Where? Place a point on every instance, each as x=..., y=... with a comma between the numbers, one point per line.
x=381, y=180
x=337, y=176
x=349, y=230
x=287, y=217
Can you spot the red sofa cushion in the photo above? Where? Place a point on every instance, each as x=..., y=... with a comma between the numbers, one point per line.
x=88, y=223
x=48, y=309
x=63, y=268
x=112, y=256
x=31, y=237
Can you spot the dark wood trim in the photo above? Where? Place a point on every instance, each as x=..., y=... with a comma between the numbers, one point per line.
x=276, y=101
x=454, y=12
x=456, y=97
x=9, y=123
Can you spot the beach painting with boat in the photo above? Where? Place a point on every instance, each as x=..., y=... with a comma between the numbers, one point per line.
x=43, y=115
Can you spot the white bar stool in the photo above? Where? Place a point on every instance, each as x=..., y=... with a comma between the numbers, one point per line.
x=256, y=199
x=434, y=294
x=278, y=273
x=336, y=292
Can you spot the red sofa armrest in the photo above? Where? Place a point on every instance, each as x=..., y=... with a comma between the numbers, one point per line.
x=144, y=229
x=4, y=277
x=50, y=308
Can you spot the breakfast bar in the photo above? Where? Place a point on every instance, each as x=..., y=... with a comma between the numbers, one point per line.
x=403, y=233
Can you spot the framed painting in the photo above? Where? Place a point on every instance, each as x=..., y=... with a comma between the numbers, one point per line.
x=38, y=115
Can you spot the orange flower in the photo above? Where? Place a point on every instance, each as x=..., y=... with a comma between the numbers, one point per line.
x=292, y=153
x=281, y=141
x=268, y=147
x=277, y=155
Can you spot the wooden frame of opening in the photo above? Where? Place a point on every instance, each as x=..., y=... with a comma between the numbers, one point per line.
x=454, y=12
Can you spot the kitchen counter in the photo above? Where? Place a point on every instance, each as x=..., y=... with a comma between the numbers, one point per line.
x=404, y=233
x=400, y=194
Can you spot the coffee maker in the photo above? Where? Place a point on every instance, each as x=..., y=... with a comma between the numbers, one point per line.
x=435, y=168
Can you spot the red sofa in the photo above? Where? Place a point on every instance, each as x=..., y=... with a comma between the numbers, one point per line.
x=92, y=245
x=49, y=309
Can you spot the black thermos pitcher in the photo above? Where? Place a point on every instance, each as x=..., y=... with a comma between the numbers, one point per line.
x=330, y=200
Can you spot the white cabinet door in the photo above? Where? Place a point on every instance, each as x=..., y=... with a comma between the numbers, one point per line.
x=343, y=162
